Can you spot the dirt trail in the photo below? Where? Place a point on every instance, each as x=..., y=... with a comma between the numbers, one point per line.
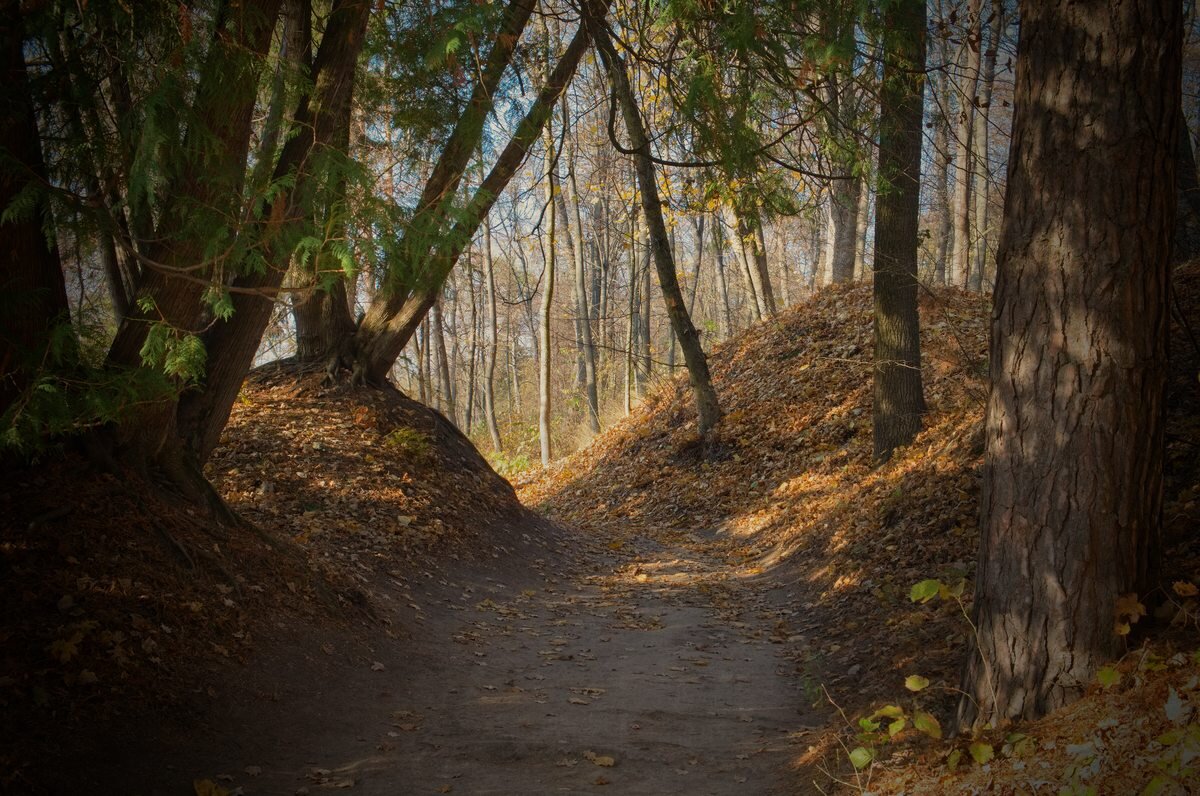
x=643, y=670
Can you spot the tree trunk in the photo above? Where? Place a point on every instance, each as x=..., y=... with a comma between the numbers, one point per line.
x=544, y=317
x=576, y=246
x=698, y=262
x=493, y=340
x=31, y=277
x=722, y=280
x=758, y=247
x=385, y=329
x=707, y=408
x=898, y=396
x=391, y=320
x=445, y=389
x=942, y=158
x=1072, y=481
x=472, y=349
x=749, y=269
x=983, y=173
x=843, y=225
x=631, y=324
x=1187, y=215
x=644, y=362
x=424, y=379
x=860, y=231
x=211, y=169
x=316, y=125
x=960, y=264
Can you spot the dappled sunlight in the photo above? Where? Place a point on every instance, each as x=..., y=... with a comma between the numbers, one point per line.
x=786, y=495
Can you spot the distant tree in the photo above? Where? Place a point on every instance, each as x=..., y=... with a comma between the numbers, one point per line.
x=1072, y=481
x=899, y=399
x=707, y=407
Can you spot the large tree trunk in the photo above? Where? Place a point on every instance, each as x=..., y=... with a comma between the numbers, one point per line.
x=232, y=344
x=1072, y=481
x=31, y=277
x=968, y=75
x=899, y=400
x=210, y=171
x=707, y=408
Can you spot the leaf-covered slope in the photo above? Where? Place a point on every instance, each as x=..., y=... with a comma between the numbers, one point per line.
x=789, y=494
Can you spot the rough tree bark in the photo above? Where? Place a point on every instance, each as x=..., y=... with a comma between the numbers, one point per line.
x=899, y=400
x=1072, y=481
x=707, y=408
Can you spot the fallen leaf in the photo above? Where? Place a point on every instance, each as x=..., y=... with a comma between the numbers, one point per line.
x=915, y=682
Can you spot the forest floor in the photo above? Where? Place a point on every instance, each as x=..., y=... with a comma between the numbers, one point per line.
x=673, y=618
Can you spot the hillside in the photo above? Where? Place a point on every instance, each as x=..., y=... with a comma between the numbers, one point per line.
x=788, y=497
x=129, y=619
x=679, y=614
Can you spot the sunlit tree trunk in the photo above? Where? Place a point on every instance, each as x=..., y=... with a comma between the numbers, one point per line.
x=708, y=410
x=386, y=327
x=983, y=176
x=493, y=340
x=544, y=317
x=576, y=246
x=722, y=281
x=968, y=76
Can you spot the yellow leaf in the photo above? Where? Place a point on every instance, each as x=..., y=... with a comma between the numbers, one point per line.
x=1185, y=589
x=982, y=752
x=926, y=723
x=206, y=787
x=915, y=682
x=1128, y=605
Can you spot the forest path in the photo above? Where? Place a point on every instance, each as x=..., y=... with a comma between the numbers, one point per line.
x=661, y=666
x=649, y=669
